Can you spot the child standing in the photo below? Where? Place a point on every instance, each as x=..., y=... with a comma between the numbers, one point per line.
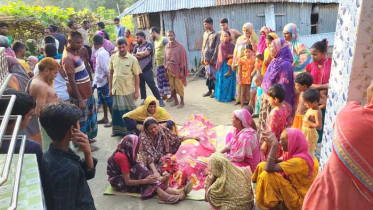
x=312, y=119
x=247, y=65
x=258, y=79
x=303, y=82
x=254, y=88
x=276, y=121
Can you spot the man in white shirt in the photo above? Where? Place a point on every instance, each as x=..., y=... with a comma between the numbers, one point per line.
x=101, y=80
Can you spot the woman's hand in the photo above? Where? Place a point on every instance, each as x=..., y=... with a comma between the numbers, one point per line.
x=270, y=138
x=151, y=179
x=157, y=175
x=263, y=148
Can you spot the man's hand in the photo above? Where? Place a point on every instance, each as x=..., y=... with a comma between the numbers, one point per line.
x=137, y=95
x=110, y=93
x=82, y=105
x=80, y=139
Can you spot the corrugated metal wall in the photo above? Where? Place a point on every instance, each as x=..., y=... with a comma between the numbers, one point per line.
x=188, y=24
x=327, y=18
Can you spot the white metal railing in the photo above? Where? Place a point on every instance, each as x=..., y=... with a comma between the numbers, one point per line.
x=4, y=79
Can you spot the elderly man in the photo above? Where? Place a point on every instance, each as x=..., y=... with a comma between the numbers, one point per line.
x=124, y=84
x=176, y=64
x=159, y=43
x=21, y=78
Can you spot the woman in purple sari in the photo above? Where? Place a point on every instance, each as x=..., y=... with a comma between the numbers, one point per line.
x=128, y=175
x=280, y=71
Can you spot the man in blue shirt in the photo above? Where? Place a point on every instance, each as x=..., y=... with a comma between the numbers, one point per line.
x=119, y=29
x=64, y=173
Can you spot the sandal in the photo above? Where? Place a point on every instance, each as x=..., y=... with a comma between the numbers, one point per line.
x=108, y=125
x=171, y=200
x=102, y=121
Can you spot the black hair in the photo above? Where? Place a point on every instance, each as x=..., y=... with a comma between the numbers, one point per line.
x=101, y=24
x=71, y=23
x=249, y=108
x=311, y=95
x=98, y=39
x=277, y=91
x=49, y=28
x=152, y=103
x=116, y=19
x=49, y=40
x=304, y=79
x=18, y=46
x=321, y=46
x=85, y=22
x=57, y=119
x=270, y=38
x=208, y=20
x=4, y=24
x=140, y=33
x=223, y=20
x=22, y=106
x=75, y=34
x=154, y=29
x=249, y=46
x=149, y=122
x=54, y=28
x=228, y=32
x=260, y=57
x=121, y=41
x=50, y=50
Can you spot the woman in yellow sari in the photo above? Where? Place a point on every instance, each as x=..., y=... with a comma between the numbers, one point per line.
x=228, y=186
x=285, y=181
x=134, y=120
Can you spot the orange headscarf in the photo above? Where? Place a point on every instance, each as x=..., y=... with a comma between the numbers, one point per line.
x=346, y=182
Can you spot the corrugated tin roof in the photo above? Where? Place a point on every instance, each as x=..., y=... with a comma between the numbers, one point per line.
x=151, y=6
x=309, y=40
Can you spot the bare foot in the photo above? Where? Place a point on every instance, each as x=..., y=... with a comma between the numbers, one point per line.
x=91, y=141
x=171, y=99
x=94, y=148
x=175, y=104
x=181, y=106
x=237, y=103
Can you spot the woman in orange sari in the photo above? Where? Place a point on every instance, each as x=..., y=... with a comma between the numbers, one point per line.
x=346, y=182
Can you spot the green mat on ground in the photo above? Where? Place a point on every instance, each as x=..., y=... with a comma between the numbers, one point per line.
x=197, y=195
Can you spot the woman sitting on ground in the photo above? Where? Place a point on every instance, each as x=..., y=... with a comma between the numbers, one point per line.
x=228, y=186
x=286, y=180
x=128, y=175
x=156, y=142
x=134, y=120
x=242, y=146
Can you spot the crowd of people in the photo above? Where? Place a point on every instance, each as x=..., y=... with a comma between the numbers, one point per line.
x=272, y=164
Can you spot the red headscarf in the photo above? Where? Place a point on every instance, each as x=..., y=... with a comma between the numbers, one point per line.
x=298, y=147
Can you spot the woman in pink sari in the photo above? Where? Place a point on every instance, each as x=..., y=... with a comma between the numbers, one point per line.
x=346, y=182
x=264, y=31
x=242, y=146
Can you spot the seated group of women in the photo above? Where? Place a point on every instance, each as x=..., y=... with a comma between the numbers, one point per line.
x=283, y=181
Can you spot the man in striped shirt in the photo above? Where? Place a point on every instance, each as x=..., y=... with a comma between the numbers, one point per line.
x=79, y=86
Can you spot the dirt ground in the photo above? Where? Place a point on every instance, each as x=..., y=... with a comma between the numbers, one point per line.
x=217, y=112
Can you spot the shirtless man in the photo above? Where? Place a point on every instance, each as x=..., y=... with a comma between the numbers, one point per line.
x=41, y=89
x=225, y=27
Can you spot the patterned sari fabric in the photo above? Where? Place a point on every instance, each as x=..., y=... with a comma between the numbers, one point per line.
x=266, y=54
x=280, y=72
x=350, y=166
x=231, y=189
x=262, y=43
x=154, y=148
x=244, y=143
x=129, y=146
x=301, y=54
x=189, y=164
